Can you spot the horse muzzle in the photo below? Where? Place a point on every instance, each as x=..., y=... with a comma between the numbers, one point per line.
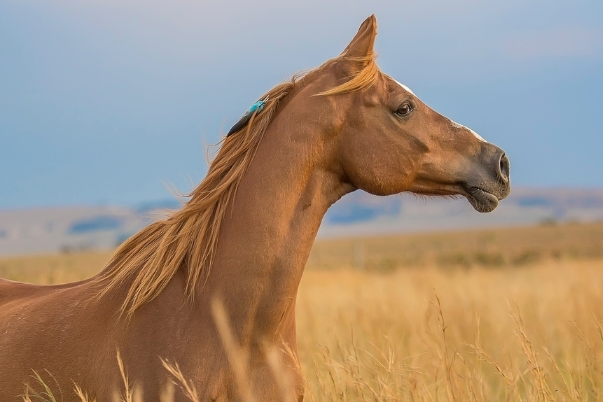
x=490, y=181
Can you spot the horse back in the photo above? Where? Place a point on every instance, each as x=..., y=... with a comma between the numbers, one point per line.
x=12, y=291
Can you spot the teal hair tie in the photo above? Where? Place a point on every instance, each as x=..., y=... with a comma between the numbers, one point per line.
x=255, y=108
x=259, y=105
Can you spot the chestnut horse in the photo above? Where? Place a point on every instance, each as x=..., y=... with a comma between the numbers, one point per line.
x=212, y=288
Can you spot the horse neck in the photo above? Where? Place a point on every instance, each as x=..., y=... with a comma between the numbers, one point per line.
x=267, y=236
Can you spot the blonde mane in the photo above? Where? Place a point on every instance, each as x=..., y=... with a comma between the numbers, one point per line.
x=189, y=237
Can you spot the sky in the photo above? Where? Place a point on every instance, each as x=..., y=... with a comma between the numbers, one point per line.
x=114, y=101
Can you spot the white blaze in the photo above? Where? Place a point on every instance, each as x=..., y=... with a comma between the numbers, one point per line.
x=457, y=125
x=407, y=89
x=454, y=123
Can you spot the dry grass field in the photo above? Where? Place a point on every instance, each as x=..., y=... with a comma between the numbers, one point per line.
x=491, y=315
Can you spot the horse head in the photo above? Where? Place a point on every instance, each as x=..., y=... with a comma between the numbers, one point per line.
x=388, y=141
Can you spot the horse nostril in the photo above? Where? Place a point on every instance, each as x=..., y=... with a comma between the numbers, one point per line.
x=503, y=168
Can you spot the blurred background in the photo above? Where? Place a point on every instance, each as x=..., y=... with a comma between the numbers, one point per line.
x=104, y=105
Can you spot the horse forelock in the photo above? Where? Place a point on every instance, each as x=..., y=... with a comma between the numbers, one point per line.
x=147, y=261
x=366, y=76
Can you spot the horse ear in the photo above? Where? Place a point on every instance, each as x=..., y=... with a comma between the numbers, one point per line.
x=362, y=44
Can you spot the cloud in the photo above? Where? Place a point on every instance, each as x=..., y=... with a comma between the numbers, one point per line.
x=562, y=42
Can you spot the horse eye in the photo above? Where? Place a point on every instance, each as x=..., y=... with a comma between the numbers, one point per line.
x=404, y=109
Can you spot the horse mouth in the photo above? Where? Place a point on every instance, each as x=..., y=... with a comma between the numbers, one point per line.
x=481, y=200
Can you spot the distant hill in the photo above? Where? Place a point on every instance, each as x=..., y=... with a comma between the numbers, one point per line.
x=360, y=213
x=100, y=227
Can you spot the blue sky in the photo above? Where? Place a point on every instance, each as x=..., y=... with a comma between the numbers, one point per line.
x=109, y=101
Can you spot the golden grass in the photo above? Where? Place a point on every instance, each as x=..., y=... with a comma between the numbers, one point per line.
x=530, y=330
x=527, y=334
x=53, y=269
x=489, y=248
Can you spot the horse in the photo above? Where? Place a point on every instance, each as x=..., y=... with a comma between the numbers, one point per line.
x=205, y=297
